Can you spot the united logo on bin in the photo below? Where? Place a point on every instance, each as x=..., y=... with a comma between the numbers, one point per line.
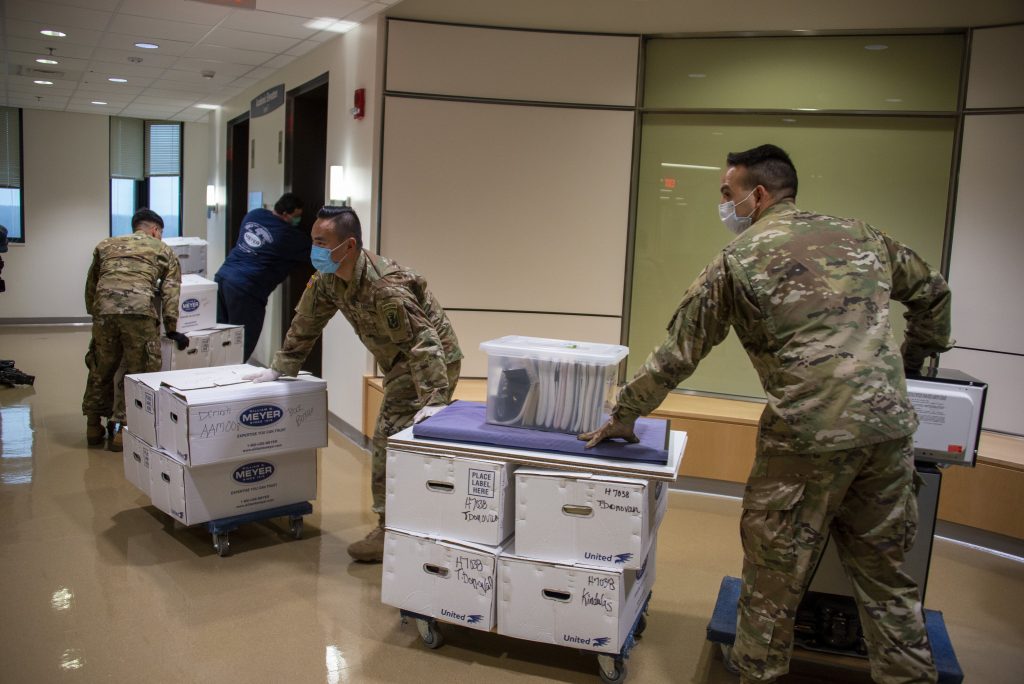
x=261, y=416
x=190, y=304
x=253, y=472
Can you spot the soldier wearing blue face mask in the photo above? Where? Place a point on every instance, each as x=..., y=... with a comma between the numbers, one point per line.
x=398, y=319
x=270, y=245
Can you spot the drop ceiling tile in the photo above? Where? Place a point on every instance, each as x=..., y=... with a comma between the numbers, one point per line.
x=124, y=70
x=146, y=28
x=304, y=47
x=38, y=47
x=312, y=8
x=246, y=40
x=121, y=41
x=269, y=22
x=30, y=30
x=279, y=62
x=182, y=101
x=179, y=10
x=364, y=13
x=150, y=58
x=225, y=54
x=197, y=66
x=57, y=15
x=29, y=59
x=99, y=5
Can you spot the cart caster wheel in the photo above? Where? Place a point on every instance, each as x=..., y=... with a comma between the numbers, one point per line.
x=612, y=670
x=221, y=544
x=727, y=659
x=431, y=635
x=296, y=528
x=641, y=625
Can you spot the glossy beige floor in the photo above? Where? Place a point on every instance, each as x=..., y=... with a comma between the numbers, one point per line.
x=96, y=585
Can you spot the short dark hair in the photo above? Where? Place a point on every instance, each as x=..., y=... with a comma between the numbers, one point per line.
x=146, y=216
x=769, y=166
x=344, y=221
x=288, y=203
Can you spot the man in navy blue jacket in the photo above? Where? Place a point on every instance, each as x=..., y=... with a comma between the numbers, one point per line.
x=269, y=246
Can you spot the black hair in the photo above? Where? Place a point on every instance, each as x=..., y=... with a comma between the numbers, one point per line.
x=288, y=203
x=769, y=166
x=145, y=215
x=344, y=221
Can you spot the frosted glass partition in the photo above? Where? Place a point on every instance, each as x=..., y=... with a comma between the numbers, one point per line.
x=891, y=172
x=909, y=73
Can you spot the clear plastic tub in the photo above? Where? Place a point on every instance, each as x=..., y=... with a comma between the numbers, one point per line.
x=554, y=385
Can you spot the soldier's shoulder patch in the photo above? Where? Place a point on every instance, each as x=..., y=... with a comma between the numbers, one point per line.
x=395, y=319
x=312, y=280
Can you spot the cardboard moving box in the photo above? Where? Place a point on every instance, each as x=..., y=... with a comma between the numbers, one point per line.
x=196, y=355
x=592, y=609
x=454, y=582
x=141, y=391
x=222, y=490
x=202, y=420
x=453, y=498
x=227, y=344
x=137, y=455
x=599, y=520
x=197, y=305
x=191, y=253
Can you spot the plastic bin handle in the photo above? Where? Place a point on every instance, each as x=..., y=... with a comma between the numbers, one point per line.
x=578, y=511
x=438, y=486
x=432, y=569
x=556, y=595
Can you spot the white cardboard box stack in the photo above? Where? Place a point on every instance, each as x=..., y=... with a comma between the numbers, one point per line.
x=203, y=444
x=562, y=557
x=191, y=253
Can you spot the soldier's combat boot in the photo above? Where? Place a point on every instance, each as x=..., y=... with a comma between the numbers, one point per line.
x=94, y=432
x=116, y=443
x=371, y=548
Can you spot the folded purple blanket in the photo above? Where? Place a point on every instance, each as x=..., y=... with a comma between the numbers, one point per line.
x=465, y=421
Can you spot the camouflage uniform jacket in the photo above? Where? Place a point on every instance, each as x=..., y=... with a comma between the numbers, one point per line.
x=134, y=274
x=808, y=296
x=394, y=315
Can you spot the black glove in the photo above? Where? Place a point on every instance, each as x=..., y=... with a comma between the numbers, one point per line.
x=179, y=339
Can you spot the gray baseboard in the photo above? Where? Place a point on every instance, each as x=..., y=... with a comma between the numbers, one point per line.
x=354, y=434
x=989, y=541
x=702, y=485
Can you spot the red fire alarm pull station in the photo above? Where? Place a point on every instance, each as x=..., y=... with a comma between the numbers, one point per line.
x=359, y=104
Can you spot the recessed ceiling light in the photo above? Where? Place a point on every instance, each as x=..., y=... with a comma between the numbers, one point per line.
x=43, y=82
x=330, y=24
x=147, y=46
x=207, y=106
x=44, y=60
x=53, y=34
x=876, y=46
x=113, y=79
x=98, y=102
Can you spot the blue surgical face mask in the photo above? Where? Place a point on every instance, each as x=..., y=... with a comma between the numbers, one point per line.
x=320, y=257
x=727, y=212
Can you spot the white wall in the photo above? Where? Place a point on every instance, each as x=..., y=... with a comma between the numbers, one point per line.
x=66, y=164
x=351, y=61
x=195, y=157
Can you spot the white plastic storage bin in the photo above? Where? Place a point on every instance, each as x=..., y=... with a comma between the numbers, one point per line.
x=445, y=496
x=570, y=605
x=452, y=581
x=599, y=520
x=545, y=384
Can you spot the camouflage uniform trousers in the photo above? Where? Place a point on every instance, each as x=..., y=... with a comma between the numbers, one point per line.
x=135, y=340
x=867, y=498
x=399, y=407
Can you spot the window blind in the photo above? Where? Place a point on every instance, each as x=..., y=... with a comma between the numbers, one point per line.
x=10, y=148
x=163, y=151
x=126, y=148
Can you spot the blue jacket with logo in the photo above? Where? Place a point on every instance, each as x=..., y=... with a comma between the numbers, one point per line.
x=266, y=252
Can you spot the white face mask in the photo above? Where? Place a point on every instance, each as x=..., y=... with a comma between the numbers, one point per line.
x=727, y=212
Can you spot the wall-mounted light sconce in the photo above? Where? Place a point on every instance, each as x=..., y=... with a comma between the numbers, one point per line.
x=339, y=195
x=211, y=201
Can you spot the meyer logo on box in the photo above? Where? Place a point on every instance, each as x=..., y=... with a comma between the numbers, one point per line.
x=261, y=415
x=190, y=304
x=253, y=472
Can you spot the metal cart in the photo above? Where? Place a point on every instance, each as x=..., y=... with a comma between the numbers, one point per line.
x=611, y=668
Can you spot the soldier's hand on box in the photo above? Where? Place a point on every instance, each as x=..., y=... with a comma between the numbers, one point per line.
x=425, y=413
x=613, y=429
x=179, y=339
x=264, y=375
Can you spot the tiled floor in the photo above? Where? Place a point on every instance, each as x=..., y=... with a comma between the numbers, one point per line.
x=96, y=585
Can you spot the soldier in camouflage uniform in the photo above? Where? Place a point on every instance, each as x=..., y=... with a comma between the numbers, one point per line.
x=399, y=321
x=808, y=296
x=133, y=282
